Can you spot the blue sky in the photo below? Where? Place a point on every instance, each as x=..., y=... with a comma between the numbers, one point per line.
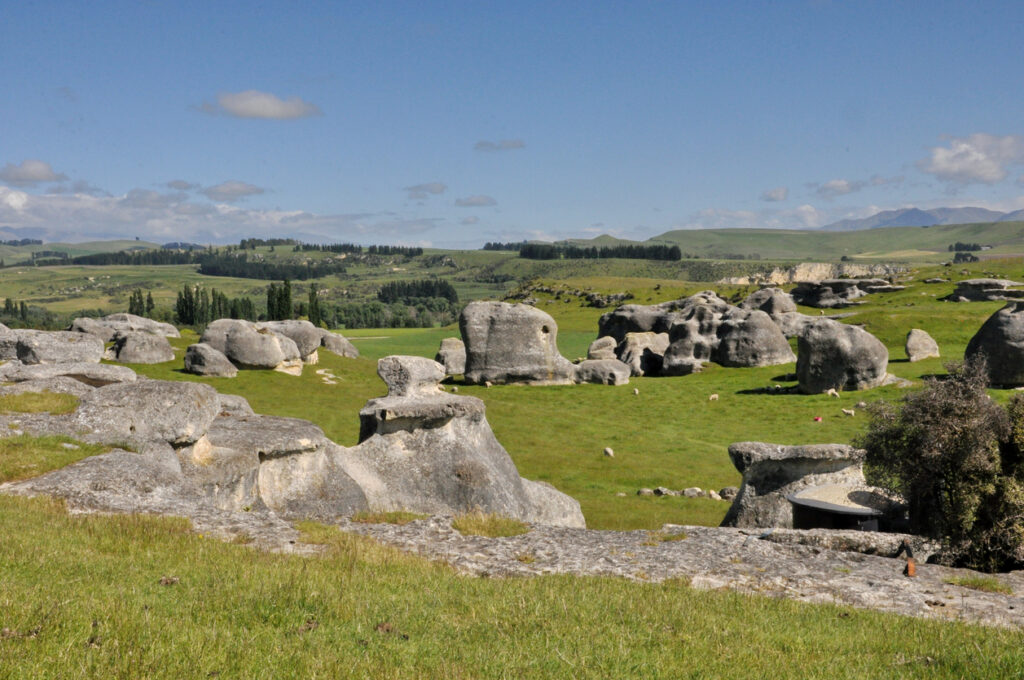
x=451, y=124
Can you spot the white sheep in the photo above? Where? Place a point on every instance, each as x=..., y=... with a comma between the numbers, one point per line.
x=713, y=397
x=849, y=412
x=832, y=392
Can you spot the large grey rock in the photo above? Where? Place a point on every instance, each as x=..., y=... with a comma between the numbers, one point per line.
x=730, y=337
x=602, y=348
x=771, y=472
x=644, y=353
x=452, y=353
x=431, y=451
x=9, y=342
x=655, y=318
x=137, y=347
x=42, y=347
x=839, y=292
x=60, y=384
x=832, y=355
x=980, y=290
x=771, y=301
x=1001, y=340
x=920, y=345
x=338, y=344
x=508, y=343
x=178, y=413
x=602, y=372
x=105, y=327
x=250, y=347
x=305, y=335
x=204, y=359
x=408, y=376
x=94, y=375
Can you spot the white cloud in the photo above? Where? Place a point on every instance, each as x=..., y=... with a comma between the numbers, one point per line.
x=256, y=104
x=231, y=191
x=502, y=145
x=472, y=219
x=181, y=185
x=77, y=187
x=475, y=202
x=31, y=172
x=980, y=158
x=838, y=187
x=775, y=195
x=421, y=191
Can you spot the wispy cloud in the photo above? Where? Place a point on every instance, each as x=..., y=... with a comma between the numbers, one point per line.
x=775, y=195
x=801, y=217
x=840, y=187
x=181, y=185
x=29, y=173
x=978, y=158
x=231, y=191
x=472, y=219
x=421, y=191
x=501, y=145
x=256, y=104
x=475, y=202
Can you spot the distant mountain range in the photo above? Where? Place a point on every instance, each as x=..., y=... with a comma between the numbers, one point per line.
x=915, y=217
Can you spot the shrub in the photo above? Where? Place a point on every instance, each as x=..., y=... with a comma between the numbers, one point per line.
x=954, y=454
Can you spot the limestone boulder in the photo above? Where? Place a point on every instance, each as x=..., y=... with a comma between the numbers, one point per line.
x=305, y=335
x=602, y=372
x=920, y=345
x=982, y=290
x=137, y=347
x=832, y=355
x=58, y=347
x=1001, y=341
x=508, y=343
x=839, y=292
x=408, y=376
x=731, y=337
x=9, y=342
x=452, y=354
x=106, y=326
x=250, y=347
x=203, y=359
x=603, y=348
x=772, y=471
x=60, y=384
x=87, y=373
x=656, y=318
x=771, y=301
x=644, y=353
x=338, y=344
x=178, y=413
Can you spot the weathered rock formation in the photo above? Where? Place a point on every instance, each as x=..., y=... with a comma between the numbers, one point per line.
x=421, y=449
x=814, y=271
x=512, y=343
x=88, y=373
x=204, y=359
x=137, y=347
x=105, y=327
x=736, y=338
x=920, y=345
x=53, y=347
x=602, y=348
x=771, y=472
x=1001, y=340
x=452, y=355
x=771, y=301
x=981, y=290
x=839, y=292
x=656, y=318
x=831, y=355
x=644, y=353
x=602, y=372
x=306, y=336
x=338, y=344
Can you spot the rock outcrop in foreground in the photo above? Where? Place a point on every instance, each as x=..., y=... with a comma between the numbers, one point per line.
x=1001, y=341
x=421, y=449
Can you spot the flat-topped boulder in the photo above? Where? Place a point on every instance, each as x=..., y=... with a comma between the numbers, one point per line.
x=839, y=292
x=94, y=375
x=137, y=347
x=56, y=347
x=105, y=327
x=452, y=354
x=982, y=290
x=508, y=343
x=771, y=472
x=1001, y=341
x=602, y=348
x=832, y=355
x=204, y=359
x=919, y=345
x=602, y=372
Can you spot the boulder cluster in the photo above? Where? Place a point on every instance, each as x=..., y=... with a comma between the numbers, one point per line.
x=839, y=292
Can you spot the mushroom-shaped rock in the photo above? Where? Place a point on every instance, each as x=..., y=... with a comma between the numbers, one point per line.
x=138, y=347
x=94, y=375
x=832, y=355
x=602, y=372
x=1001, y=340
x=920, y=345
x=41, y=347
x=203, y=359
x=178, y=413
x=602, y=348
x=337, y=344
x=771, y=301
x=508, y=343
x=452, y=353
x=771, y=472
x=644, y=353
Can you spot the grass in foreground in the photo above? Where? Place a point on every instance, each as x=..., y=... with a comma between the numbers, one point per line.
x=131, y=596
x=492, y=526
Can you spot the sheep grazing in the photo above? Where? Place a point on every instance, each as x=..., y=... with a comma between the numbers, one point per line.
x=636, y=391
x=832, y=392
x=713, y=397
x=849, y=412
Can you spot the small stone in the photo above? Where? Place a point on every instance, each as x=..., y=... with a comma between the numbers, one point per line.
x=714, y=495
x=662, y=491
x=487, y=383
x=693, y=492
x=67, y=445
x=728, y=493
x=608, y=452
x=862, y=404
x=645, y=492
x=621, y=494
x=455, y=388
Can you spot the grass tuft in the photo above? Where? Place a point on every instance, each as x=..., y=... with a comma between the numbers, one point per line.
x=989, y=584
x=657, y=537
x=392, y=517
x=491, y=526
x=25, y=456
x=56, y=403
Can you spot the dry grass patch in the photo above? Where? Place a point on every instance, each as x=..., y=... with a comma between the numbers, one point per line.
x=38, y=402
x=25, y=456
x=491, y=526
x=393, y=517
x=659, y=537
